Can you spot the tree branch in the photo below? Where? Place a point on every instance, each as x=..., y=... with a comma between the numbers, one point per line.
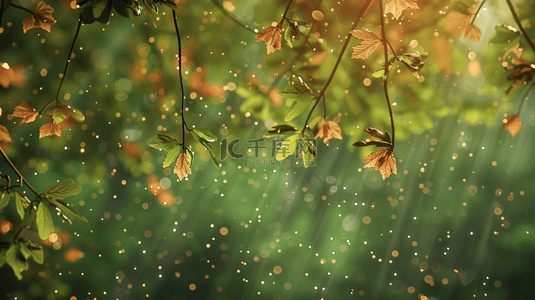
x=517, y=20
x=344, y=47
x=387, y=71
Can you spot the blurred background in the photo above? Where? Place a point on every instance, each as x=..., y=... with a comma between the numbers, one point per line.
x=454, y=223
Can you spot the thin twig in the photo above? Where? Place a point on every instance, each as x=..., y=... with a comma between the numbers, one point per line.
x=69, y=57
x=184, y=125
x=517, y=20
x=233, y=17
x=344, y=47
x=285, y=13
x=23, y=8
x=387, y=71
x=22, y=179
x=477, y=11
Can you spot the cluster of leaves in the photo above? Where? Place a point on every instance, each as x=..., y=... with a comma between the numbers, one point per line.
x=58, y=113
x=383, y=159
x=100, y=10
x=292, y=141
x=272, y=37
x=36, y=217
x=180, y=153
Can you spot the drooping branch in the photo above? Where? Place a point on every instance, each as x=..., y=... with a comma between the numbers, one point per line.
x=285, y=13
x=342, y=51
x=184, y=125
x=477, y=11
x=387, y=71
x=517, y=20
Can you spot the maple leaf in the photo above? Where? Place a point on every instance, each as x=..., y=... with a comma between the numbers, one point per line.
x=272, y=37
x=396, y=7
x=4, y=135
x=369, y=43
x=25, y=111
x=472, y=32
x=49, y=129
x=383, y=161
x=182, y=166
x=41, y=19
x=10, y=76
x=512, y=123
x=329, y=130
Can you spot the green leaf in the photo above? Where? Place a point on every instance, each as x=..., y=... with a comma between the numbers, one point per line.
x=4, y=199
x=413, y=61
x=29, y=216
x=309, y=152
x=317, y=121
x=204, y=142
x=66, y=209
x=288, y=146
x=384, y=136
x=4, y=181
x=16, y=260
x=460, y=7
x=44, y=221
x=77, y=114
x=288, y=36
x=63, y=189
x=59, y=113
x=99, y=8
x=33, y=250
x=163, y=142
x=379, y=73
x=21, y=204
x=280, y=130
x=297, y=91
x=505, y=34
x=189, y=156
x=172, y=156
x=298, y=109
x=205, y=134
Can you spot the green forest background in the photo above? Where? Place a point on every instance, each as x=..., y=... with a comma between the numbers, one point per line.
x=454, y=223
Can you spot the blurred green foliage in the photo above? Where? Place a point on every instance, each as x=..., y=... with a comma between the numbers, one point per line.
x=457, y=211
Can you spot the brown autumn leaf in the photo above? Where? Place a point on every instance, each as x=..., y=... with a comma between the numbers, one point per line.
x=41, y=19
x=382, y=160
x=472, y=32
x=10, y=76
x=4, y=135
x=182, y=166
x=396, y=7
x=49, y=129
x=272, y=37
x=329, y=130
x=25, y=111
x=512, y=123
x=369, y=43
x=456, y=22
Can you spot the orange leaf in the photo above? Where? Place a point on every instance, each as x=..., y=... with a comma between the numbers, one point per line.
x=382, y=160
x=472, y=32
x=42, y=18
x=271, y=36
x=513, y=124
x=456, y=22
x=10, y=76
x=396, y=7
x=369, y=43
x=329, y=130
x=182, y=166
x=4, y=135
x=25, y=111
x=49, y=129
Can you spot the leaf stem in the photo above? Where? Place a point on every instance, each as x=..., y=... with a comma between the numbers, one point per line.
x=184, y=125
x=342, y=51
x=69, y=58
x=392, y=48
x=17, y=235
x=22, y=179
x=21, y=7
x=477, y=11
x=387, y=71
x=285, y=13
x=233, y=17
x=517, y=20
